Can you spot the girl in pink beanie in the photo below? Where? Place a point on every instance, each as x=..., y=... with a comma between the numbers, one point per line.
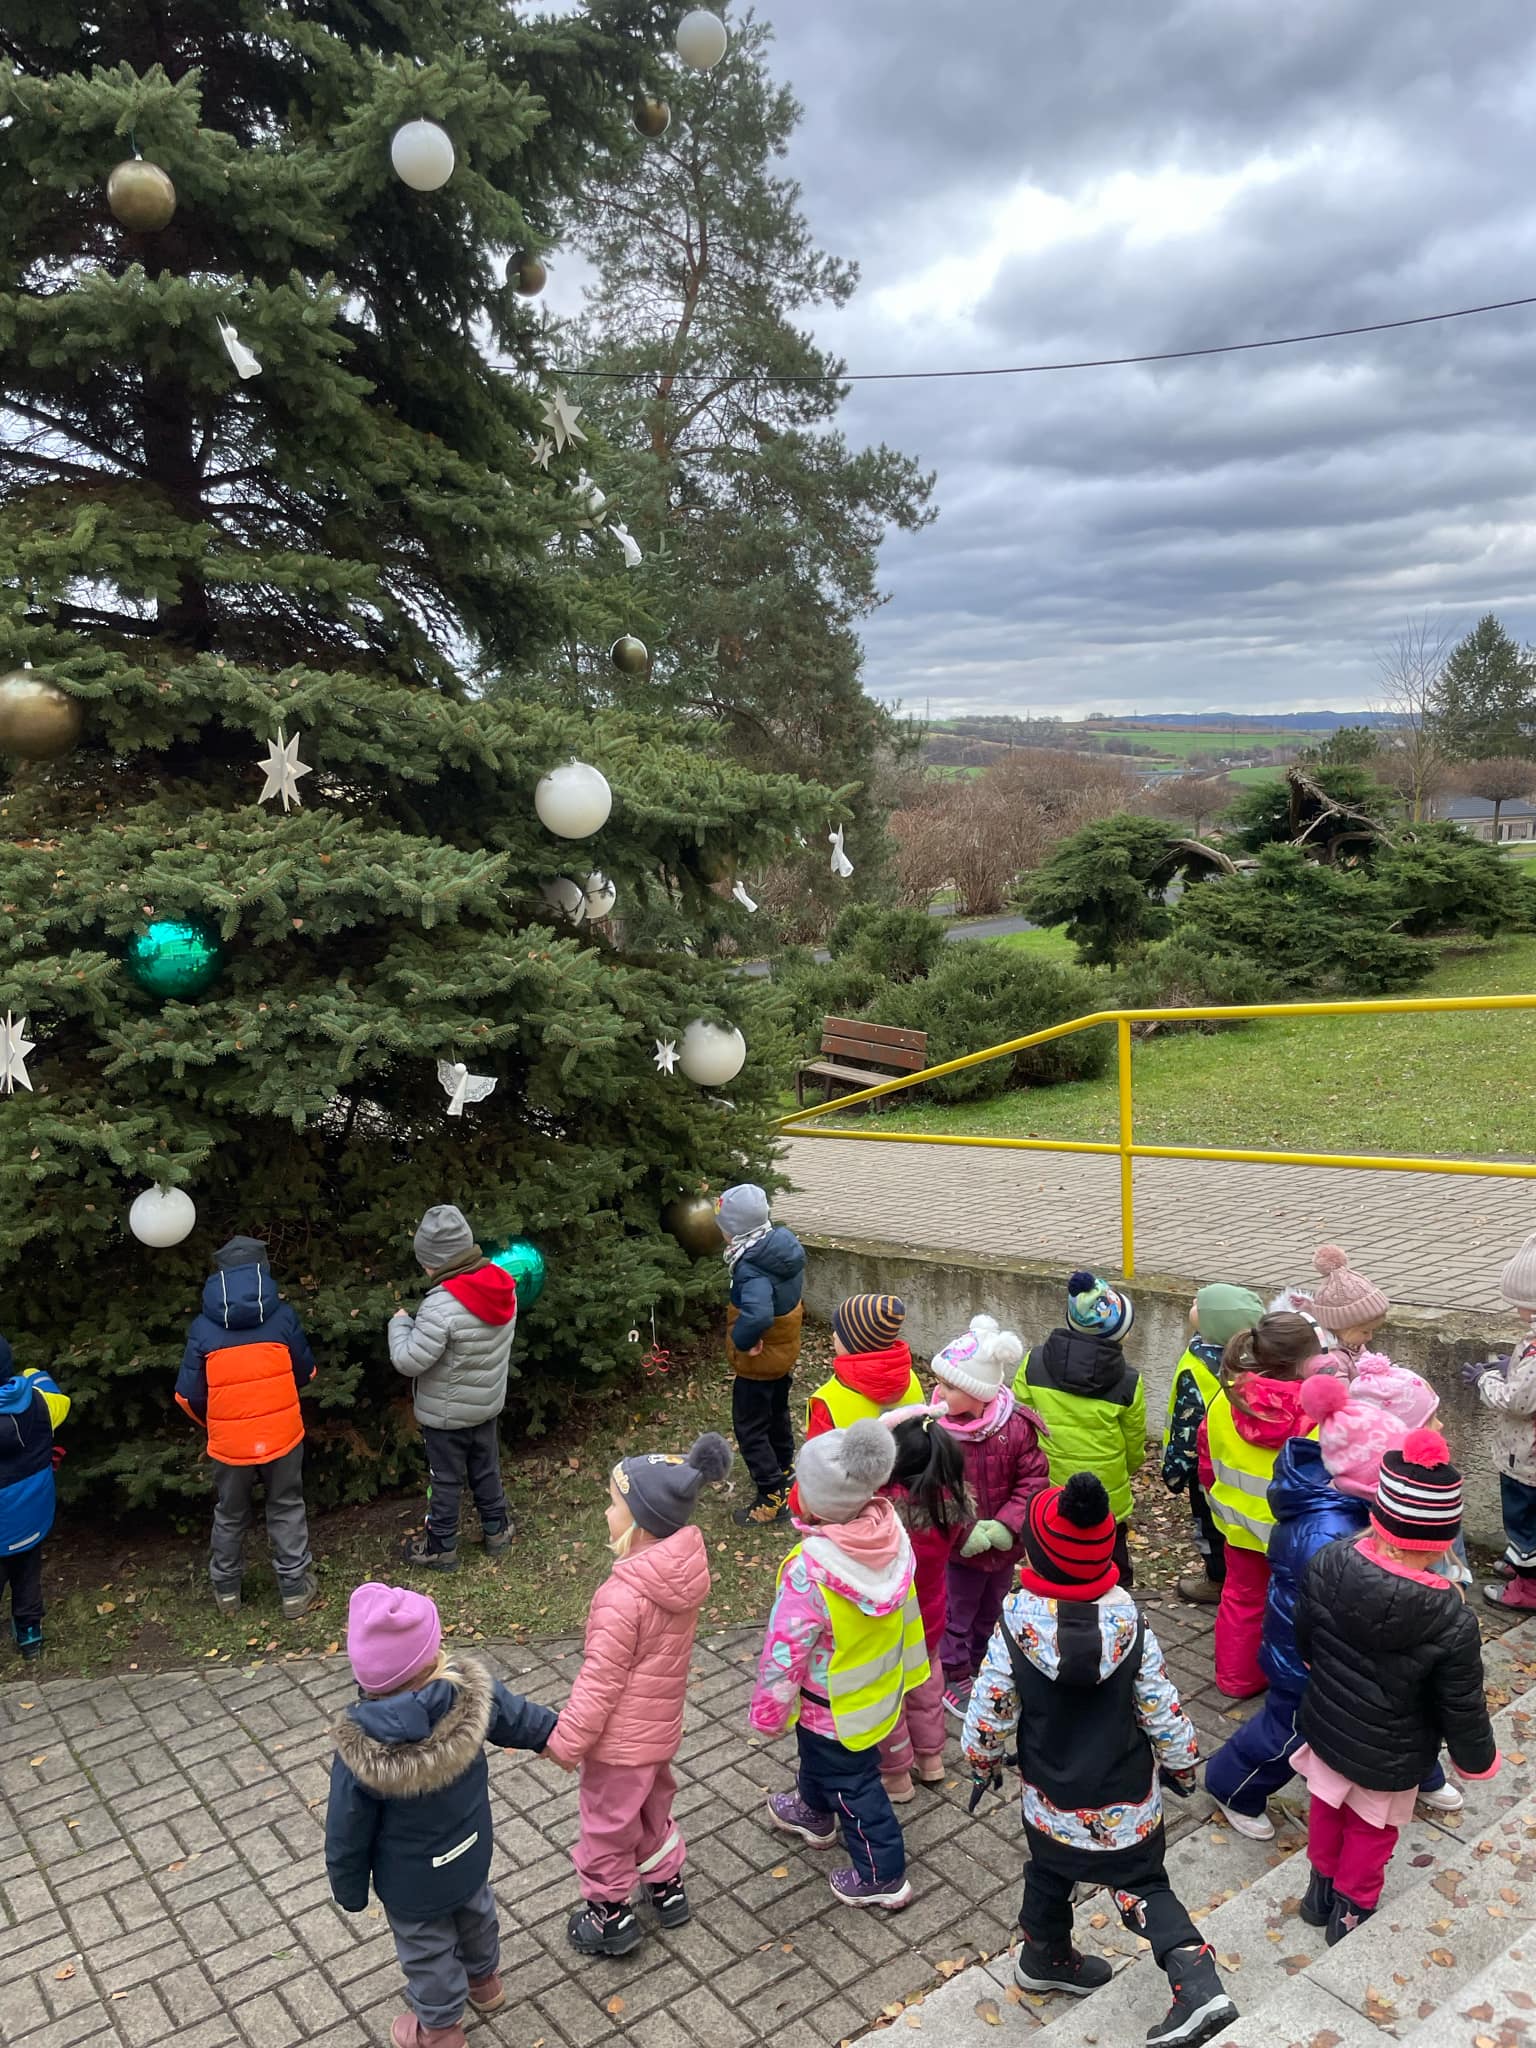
x=410, y=1806
x=1346, y=1303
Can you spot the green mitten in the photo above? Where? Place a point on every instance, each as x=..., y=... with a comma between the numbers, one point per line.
x=987, y=1535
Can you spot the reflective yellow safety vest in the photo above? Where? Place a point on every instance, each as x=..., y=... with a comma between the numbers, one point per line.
x=876, y=1661
x=1193, y=1364
x=844, y=1405
x=1240, y=1495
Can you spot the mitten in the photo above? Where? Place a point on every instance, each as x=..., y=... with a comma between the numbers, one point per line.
x=987, y=1535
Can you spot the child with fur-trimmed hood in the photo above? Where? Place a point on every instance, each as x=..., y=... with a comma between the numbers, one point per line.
x=410, y=1806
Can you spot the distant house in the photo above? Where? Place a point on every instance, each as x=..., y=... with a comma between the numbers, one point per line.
x=1474, y=814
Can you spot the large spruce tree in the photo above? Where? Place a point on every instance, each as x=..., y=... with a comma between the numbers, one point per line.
x=352, y=545
x=1484, y=703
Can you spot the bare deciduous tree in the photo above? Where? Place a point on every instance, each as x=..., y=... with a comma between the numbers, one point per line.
x=1411, y=760
x=1497, y=781
x=1191, y=798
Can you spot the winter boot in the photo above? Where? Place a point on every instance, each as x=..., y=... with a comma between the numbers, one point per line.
x=1518, y=1594
x=428, y=1555
x=604, y=1927
x=789, y=1812
x=671, y=1903
x=1317, y=1902
x=1345, y=1917
x=1200, y=2005
x=931, y=1769
x=765, y=1512
x=497, y=1542
x=486, y=1993
x=1041, y=1967
x=408, y=2032
x=1198, y=1590
x=227, y=1599
x=29, y=1640
x=302, y=1598
x=849, y=1889
x=898, y=1787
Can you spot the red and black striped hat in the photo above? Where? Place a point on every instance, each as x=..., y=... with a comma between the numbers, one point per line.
x=1069, y=1537
x=1418, y=1496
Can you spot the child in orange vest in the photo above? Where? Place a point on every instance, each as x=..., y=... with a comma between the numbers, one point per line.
x=245, y=1361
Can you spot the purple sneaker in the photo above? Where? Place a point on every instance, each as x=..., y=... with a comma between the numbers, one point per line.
x=787, y=1810
x=849, y=1889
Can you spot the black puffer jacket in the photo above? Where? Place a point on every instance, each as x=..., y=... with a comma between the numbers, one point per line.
x=1396, y=1670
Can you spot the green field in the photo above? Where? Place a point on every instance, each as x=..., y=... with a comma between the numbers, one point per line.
x=1462, y=1085
x=1178, y=743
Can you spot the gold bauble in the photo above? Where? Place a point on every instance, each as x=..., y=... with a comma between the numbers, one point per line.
x=38, y=720
x=630, y=655
x=652, y=116
x=529, y=276
x=141, y=195
x=691, y=1220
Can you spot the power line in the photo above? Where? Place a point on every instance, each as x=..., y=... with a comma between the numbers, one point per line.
x=1170, y=355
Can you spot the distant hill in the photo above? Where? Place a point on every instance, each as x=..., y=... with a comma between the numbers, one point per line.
x=1241, y=721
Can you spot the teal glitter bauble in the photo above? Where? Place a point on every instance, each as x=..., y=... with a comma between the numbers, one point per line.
x=525, y=1262
x=177, y=957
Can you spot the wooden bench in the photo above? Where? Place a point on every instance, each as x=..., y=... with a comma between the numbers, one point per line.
x=882, y=1053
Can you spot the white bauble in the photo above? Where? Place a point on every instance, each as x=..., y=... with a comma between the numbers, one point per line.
x=566, y=896
x=599, y=896
x=422, y=155
x=701, y=39
x=712, y=1055
x=573, y=801
x=162, y=1217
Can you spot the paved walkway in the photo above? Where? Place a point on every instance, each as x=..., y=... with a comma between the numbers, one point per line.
x=162, y=1874
x=1430, y=1241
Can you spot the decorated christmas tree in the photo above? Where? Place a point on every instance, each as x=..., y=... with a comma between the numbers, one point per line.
x=280, y=890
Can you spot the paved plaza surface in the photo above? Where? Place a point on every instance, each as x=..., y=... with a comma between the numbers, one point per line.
x=1432, y=1241
x=162, y=1873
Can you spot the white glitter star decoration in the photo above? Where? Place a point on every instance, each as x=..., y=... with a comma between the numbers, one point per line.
x=842, y=866
x=14, y=1048
x=666, y=1055
x=542, y=450
x=461, y=1086
x=283, y=769
x=237, y=351
x=627, y=541
x=560, y=416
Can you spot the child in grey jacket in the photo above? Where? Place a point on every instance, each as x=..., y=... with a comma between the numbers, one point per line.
x=456, y=1348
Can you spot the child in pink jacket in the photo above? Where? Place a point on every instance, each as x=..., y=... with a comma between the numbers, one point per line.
x=623, y=1722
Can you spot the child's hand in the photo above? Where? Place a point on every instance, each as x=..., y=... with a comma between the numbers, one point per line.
x=1471, y=1374
x=987, y=1535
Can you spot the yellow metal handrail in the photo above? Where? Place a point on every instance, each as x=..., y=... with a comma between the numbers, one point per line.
x=1126, y=1149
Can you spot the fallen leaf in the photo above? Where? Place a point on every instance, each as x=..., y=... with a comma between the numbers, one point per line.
x=1230, y=1962
x=913, y=2018
x=779, y=1870
x=1521, y=1998
x=331, y=1649
x=1443, y=1958
x=106, y=1607
x=1447, y=1882
x=117, y=1994
x=1484, y=2041
x=1381, y=2011
x=1420, y=1862
x=950, y=1965
x=615, y=2004
x=1515, y=1756
x=1510, y=1896
x=36, y=1760
x=64, y=1971
x=179, y=1864
x=1479, y=2012
x=987, y=2009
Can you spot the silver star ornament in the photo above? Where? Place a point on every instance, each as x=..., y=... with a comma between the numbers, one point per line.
x=560, y=416
x=666, y=1055
x=14, y=1048
x=542, y=450
x=283, y=770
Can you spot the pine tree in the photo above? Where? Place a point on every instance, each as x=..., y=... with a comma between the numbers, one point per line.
x=768, y=521
x=1485, y=702
x=352, y=547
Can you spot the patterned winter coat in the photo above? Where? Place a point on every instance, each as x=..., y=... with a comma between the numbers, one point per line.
x=1512, y=1396
x=458, y=1345
x=626, y=1706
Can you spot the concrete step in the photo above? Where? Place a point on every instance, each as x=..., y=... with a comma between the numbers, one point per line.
x=1497, y=2005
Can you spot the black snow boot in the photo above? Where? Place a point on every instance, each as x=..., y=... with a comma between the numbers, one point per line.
x=1037, y=1967
x=1317, y=1901
x=604, y=1927
x=1200, y=2006
x=1345, y=1918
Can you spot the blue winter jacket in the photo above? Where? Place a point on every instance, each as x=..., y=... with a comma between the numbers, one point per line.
x=1310, y=1513
x=244, y=1299
x=766, y=1282
x=30, y=1408
x=410, y=1803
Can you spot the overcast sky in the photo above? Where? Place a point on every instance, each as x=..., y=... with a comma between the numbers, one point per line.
x=1028, y=179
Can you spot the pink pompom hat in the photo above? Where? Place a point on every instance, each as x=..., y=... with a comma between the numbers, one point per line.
x=1346, y=1300
x=1353, y=1436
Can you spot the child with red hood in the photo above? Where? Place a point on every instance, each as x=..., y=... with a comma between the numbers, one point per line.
x=871, y=1365
x=1255, y=1411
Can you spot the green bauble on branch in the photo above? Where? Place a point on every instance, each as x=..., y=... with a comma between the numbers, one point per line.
x=141, y=196
x=176, y=958
x=525, y=1262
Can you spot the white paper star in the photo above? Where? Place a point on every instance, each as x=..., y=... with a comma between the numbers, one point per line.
x=560, y=416
x=842, y=866
x=14, y=1048
x=283, y=769
x=591, y=497
x=239, y=354
x=627, y=541
x=541, y=451
x=740, y=893
x=666, y=1055
x=461, y=1086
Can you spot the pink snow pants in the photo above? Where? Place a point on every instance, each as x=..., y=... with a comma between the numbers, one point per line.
x=627, y=1829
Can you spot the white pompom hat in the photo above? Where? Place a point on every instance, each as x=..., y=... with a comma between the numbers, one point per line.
x=976, y=1362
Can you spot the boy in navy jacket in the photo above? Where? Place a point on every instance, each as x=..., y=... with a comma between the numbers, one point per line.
x=410, y=1806
x=31, y=1408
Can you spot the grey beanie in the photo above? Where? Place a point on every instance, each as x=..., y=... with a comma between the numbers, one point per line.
x=1517, y=1283
x=240, y=1251
x=443, y=1236
x=840, y=1472
x=743, y=1209
x=661, y=1491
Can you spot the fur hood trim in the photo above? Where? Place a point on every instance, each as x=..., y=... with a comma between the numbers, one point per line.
x=412, y=1770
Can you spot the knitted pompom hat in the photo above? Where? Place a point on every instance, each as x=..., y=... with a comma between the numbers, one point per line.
x=1353, y=1436
x=1346, y=1300
x=1517, y=1282
x=839, y=1473
x=1418, y=1496
x=1097, y=1309
x=662, y=1491
x=976, y=1362
x=1410, y=1400
x=1069, y=1539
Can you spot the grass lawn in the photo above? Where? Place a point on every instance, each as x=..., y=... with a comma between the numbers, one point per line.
x=1179, y=743
x=1459, y=1085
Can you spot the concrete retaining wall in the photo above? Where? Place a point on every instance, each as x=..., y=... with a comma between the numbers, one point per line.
x=944, y=1290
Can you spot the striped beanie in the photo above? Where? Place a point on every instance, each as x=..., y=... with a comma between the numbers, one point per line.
x=1418, y=1496
x=869, y=1322
x=1069, y=1539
